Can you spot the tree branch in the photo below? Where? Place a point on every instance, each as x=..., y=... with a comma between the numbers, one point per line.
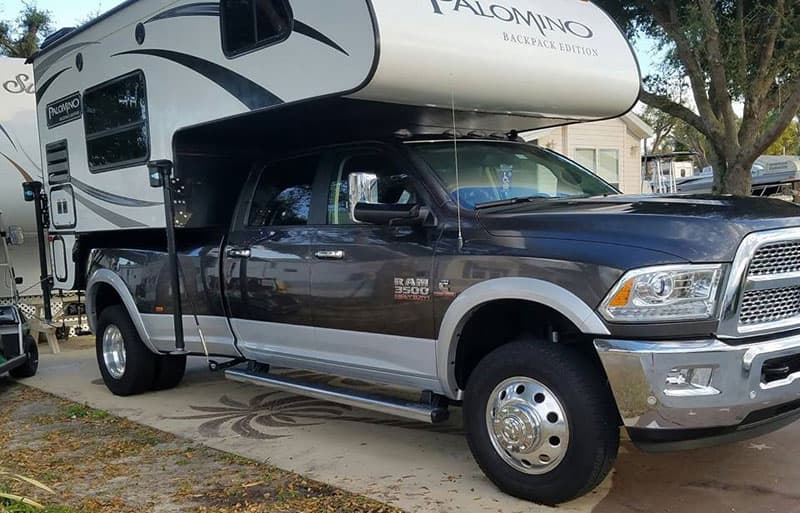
x=781, y=123
x=675, y=109
x=667, y=18
x=719, y=76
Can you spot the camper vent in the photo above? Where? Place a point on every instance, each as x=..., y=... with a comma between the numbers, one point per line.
x=57, y=162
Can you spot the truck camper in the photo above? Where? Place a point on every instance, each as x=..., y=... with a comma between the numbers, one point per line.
x=340, y=187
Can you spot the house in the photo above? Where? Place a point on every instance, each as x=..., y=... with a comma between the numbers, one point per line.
x=611, y=148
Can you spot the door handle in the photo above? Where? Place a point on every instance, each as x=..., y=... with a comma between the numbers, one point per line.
x=330, y=255
x=238, y=252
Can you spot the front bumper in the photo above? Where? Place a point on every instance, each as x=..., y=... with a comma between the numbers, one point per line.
x=739, y=402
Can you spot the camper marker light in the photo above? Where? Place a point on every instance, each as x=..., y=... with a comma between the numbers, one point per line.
x=664, y=293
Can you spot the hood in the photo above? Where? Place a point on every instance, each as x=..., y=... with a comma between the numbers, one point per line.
x=697, y=228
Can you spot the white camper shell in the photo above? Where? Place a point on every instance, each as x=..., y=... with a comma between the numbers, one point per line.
x=200, y=85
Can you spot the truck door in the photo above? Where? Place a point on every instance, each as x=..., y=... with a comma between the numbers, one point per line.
x=266, y=265
x=371, y=285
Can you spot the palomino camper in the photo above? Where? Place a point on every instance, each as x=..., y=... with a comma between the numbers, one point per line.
x=339, y=187
x=19, y=163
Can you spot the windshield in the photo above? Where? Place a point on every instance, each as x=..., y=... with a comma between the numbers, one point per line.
x=497, y=171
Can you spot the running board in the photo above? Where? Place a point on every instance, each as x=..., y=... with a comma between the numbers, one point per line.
x=419, y=412
x=13, y=363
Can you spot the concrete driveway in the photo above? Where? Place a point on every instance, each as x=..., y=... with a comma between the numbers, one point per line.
x=421, y=468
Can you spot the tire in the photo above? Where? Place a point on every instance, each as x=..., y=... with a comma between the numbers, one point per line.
x=556, y=378
x=169, y=371
x=136, y=373
x=31, y=366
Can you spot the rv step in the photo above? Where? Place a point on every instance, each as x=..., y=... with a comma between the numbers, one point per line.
x=420, y=412
x=13, y=363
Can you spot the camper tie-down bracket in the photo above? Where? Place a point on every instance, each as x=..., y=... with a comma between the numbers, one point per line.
x=161, y=177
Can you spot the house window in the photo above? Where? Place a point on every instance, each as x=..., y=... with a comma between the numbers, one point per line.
x=251, y=24
x=115, y=122
x=604, y=163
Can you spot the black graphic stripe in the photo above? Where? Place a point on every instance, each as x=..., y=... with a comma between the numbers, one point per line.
x=109, y=197
x=44, y=87
x=308, y=31
x=245, y=90
x=43, y=65
x=8, y=136
x=25, y=175
x=108, y=215
x=212, y=9
x=199, y=9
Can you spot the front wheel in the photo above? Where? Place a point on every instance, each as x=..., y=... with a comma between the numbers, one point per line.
x=540, y=421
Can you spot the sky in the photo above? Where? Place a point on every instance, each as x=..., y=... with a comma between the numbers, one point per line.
x=65, y=12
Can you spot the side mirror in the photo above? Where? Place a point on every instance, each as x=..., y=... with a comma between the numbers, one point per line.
x=362, y=188
x=16, y=237
x=19, y=280
x=392, y=215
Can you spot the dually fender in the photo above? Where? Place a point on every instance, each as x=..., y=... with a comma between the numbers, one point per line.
x=105, y=276
x=528, y=289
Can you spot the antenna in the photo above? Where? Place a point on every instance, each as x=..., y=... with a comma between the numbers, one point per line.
x=458, y=183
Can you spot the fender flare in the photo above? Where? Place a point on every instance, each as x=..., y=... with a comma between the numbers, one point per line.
x=105, y=276
x=527, y=289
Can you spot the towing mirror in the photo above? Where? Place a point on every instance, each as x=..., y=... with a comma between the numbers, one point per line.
x=392, y=215
x=363, y=188
x=16, y=237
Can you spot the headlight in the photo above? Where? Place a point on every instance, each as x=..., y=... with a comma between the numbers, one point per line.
x=666, y=293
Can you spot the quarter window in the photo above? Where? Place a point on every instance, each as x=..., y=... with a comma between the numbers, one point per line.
x=283, y=195
x=251, y=24
x=115, y=121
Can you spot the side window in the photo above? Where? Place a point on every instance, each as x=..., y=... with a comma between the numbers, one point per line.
x=394, y=186
x=283, y=195
x=250, y=24
x=115, y=121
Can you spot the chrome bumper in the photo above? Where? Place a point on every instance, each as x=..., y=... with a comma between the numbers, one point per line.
x=736, y=397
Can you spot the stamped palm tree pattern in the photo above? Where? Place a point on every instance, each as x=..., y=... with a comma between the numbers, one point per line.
x=273, y=415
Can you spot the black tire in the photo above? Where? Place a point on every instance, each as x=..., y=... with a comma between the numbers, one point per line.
x=169, y=371
x=31, y=366
x=580, y=387
x=140, y=363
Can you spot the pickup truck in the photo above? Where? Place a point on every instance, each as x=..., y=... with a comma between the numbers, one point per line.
x=484, y=273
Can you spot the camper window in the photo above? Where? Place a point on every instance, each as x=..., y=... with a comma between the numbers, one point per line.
x=250, y=24
x=116, y=123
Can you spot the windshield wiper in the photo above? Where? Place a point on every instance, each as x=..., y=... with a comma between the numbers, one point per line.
x=509, y=201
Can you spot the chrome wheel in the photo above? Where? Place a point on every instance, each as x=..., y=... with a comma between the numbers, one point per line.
x=114, y=351
x=527, y=425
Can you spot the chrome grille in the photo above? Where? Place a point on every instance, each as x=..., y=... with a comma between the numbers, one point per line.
x=776, y=258
x=769, y=305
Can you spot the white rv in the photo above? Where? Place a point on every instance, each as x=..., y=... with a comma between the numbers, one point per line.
x=19, y=163
x=223, y=92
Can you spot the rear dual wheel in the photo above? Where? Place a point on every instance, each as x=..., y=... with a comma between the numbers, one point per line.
x=128, y=367
x=540, y=421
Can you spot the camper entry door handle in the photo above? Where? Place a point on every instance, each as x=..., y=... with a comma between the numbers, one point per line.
x=235, y=252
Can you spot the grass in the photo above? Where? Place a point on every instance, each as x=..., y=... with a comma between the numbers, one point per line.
x=83, y=411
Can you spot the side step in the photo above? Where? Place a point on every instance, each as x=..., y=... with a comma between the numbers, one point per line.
x=13, y=363
x=420, y=412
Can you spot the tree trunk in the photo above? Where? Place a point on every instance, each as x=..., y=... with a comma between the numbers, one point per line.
x=735, y=179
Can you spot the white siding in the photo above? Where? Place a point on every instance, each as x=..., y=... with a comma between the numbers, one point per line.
x=612, y=134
